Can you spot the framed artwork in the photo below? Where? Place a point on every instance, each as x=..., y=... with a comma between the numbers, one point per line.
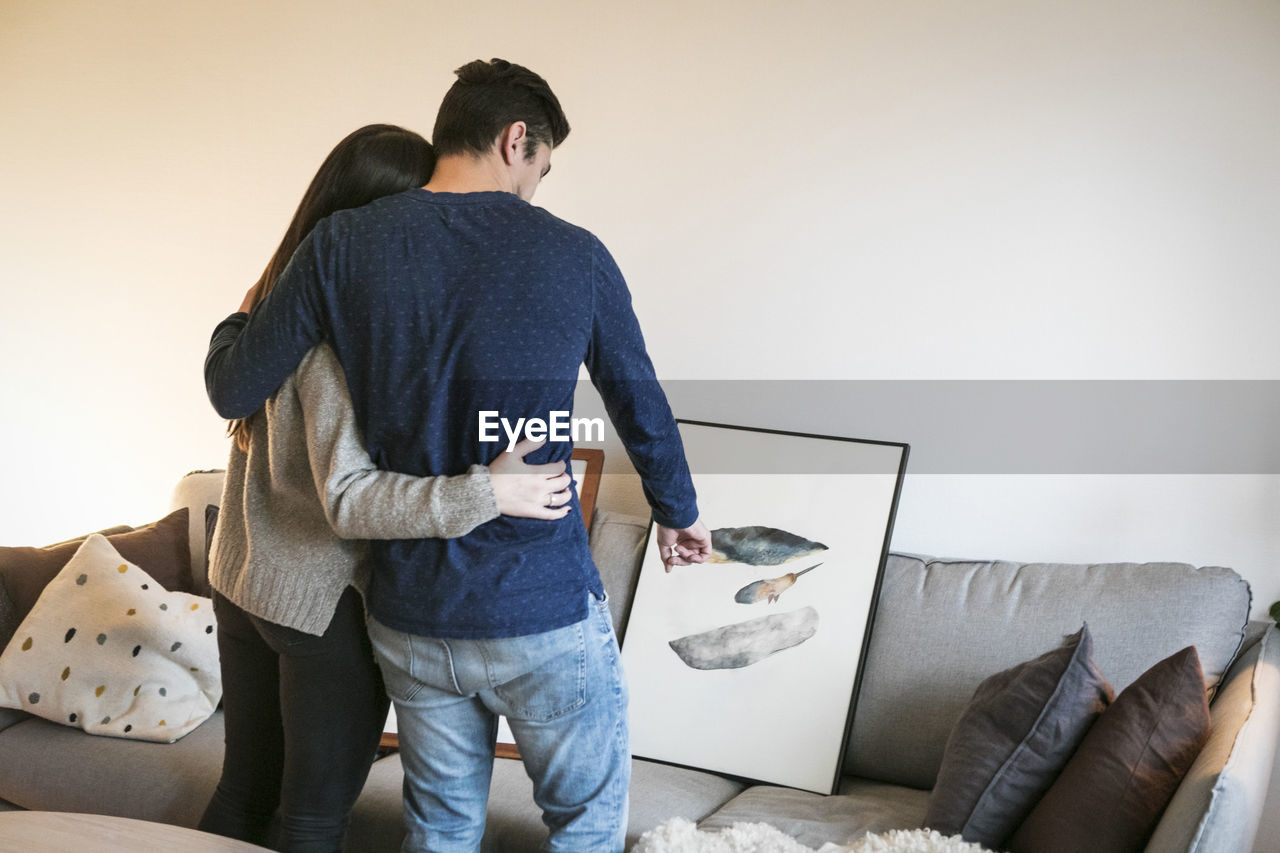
x=749, y=664
x=585, y=466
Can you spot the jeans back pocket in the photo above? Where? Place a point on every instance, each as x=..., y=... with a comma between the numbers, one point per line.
x=556, y=683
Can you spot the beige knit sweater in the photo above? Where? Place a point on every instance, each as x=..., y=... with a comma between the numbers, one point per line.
x=296, y=505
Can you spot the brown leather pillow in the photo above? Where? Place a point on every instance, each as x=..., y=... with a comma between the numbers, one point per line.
x=1112, y=792
x=160, y=549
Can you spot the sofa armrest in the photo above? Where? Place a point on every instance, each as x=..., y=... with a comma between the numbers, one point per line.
x=1219, y=804
x=198, y=491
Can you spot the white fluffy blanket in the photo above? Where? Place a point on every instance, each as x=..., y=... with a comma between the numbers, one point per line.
x=680, y=836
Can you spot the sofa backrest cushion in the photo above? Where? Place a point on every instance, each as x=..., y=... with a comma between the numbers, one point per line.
x=942, y=626
x=617, y=547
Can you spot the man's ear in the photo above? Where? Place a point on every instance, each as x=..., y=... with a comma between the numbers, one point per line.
x=512, y=141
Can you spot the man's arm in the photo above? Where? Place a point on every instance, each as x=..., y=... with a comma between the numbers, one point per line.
x=622, y=372
x=250, y=356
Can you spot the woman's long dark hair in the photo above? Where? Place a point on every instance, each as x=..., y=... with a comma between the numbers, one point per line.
x=375, y=161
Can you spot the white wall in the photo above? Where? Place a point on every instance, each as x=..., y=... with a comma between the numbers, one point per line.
x=839, y=190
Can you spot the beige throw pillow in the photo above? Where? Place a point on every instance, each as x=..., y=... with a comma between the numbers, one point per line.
x=108, y=649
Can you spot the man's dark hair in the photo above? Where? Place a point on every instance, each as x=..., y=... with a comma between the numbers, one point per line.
x=489, y=96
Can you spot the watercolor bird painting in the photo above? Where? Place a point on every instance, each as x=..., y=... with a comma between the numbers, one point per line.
x=760, y=546
x=770, y=590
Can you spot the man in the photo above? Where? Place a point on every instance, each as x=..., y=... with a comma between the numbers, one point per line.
x=441, y=305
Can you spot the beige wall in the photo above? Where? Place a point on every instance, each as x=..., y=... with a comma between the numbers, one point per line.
x=815, y=189
x=807, y=189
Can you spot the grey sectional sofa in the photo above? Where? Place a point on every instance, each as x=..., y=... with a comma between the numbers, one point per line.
x=941, y=626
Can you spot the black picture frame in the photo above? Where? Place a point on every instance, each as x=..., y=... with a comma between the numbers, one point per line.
x=708, y=690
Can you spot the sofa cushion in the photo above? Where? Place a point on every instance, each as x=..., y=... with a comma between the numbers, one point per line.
x=1013, y=740
x=860, y=806
x=108, y=650
x=57, y=768
x=160, y=549
x=617, y=547
x=658, y=792
x=514, y=822
x=377, y=818
x=12, y=716
x=942, y=626
x=1112, y=792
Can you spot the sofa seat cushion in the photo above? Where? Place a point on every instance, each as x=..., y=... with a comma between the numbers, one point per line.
x=658, y=792
x=51, y=767
x=12, y=716
x=942, y=626
x=860, y=806
x=377, y=818
x=514, y=822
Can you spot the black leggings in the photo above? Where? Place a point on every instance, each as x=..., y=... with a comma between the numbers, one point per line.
x=303, y=717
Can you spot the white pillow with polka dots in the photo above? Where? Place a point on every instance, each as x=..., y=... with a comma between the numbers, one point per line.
x=109, y=650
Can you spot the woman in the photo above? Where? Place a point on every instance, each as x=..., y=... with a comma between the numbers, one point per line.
x=303, y=699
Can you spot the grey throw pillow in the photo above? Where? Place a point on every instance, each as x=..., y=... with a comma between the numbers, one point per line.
x=1013, y=739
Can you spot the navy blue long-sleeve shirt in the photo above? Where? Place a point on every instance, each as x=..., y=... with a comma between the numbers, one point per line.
x=440, y=306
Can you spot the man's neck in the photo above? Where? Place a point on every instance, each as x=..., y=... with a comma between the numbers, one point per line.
x=464, y=173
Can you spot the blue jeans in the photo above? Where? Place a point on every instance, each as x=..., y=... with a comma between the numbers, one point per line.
x=563, y=695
